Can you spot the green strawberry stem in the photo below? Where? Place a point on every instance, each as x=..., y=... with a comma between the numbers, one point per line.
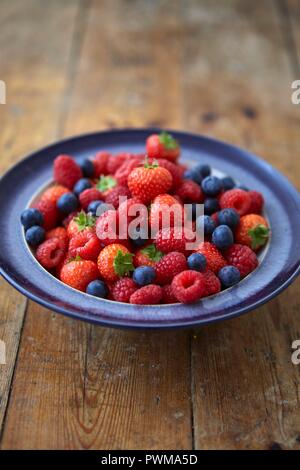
x=84, y=220
x=105, y=183
x=152, y=252
x=259, y=235
x=168, y=141
x=123, y=263
x=148, y=165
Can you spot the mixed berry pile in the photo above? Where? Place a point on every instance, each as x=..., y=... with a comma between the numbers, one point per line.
x=63, y=226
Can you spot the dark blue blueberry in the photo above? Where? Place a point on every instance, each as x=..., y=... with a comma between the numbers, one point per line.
x=228, y=217
x=138, y=236
x=97, y=288
x=194, y=175
x=31, y=217
x=197, y=262
x=229, y=276
x=240, y=186
x=93, y=206
x=211, y=185
x=228, y=183
x=211, y=205
x=206, y=223
x=35, y=235
x=82, y=185
x=143, y=275
x=67, y=203
x=87, y=168
x=222, y=237
x=204, y=170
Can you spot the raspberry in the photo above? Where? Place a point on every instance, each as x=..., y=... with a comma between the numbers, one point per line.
x=123, y=289
x=257, y=202
x=66, y=171
x=54, y=193
x=170, y=265
x=168, y=296
x=188, y=286
x=89, y=195
x=147, y=295
x=86, y=245
x=107, y=227
x=162, y=206
x=215, y=260
x=49, y=212
x=114, y=195
x=242, y=257
x=115, y=161
x=212, y=283
x=51, y=253
x=125, y=212
x=172, y=239
x=237, y=199
x=100, y=163
x=189, y=191
x=61, y=233
x=125, y=169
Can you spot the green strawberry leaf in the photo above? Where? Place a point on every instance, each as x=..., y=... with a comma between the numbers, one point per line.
x=105, y=183
x=123, y=263
x=84, y=220
x=75, y=258
x=152, y=252
x=259, y=235
x=152, y=165
x=168, y=141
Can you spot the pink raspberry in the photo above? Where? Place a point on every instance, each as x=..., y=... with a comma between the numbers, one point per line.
x=169, y=265
x=123, y=289
x=147, y=295
x=189, y=286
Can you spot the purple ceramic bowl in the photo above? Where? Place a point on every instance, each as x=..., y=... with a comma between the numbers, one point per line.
x=280, y=261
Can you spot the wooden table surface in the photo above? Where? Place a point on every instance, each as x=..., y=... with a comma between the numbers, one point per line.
x=222, y=68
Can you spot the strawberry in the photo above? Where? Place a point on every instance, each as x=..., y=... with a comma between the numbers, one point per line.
x=100, y=163
x=147, y=256
x=81, y=222
x=86, y=245
x=169, y=265
x=252, y=231
x=113, y=197
x=175, y=170
x=172, y=239
x=54, y=193
x=123, y=289
x=168, y=296
x=237, y=199
x=61, y=233
x=89, y=195
x=212, y=283
x=79, y=273
x=189, y=192
x=147, y=295
x=115, y=261
x=66, y=171
x=107, y=227
x=50, y=253
x=215, y=260
x=257, y=202
x=162, y=206
x=125, y=169
x=188, y=286
x=149, y=181
x=242, y=257
x=49, y=212
x=162, y=145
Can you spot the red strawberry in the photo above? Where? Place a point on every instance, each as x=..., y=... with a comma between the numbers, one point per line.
x=89, y=195
x=100, y=163
x=79, y=273
x=168, y=296
x=189, y=191
x=162, y=146
x=125, y=169
x=165, y=211
x=215, y=260
x=86, y=245
x=237, y=199
x=175, y=170
x=149, y=181
x=172, y=239
x=50, y=253
x=113, y=197
x=242, y=257
x=66, y=171
x=123, y=289
x=49, y=212
x=61, y=233
x=54, y=193
x=213, y=284
x=188, y=286
x=253, y=231
x=107, y=227
x=169, y=265
x=147, y=295
x=114, y=261
x=81, y=222
x=257, y=202
x=147, y=256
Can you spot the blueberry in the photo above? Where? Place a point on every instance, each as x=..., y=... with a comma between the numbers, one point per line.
x=211, y=205
x=97, y=288
x=206, y=223
x=143, y=275
x=229, y=276
x=87, y=168
x=211, y=185
x=35, y=235
x=197, y=262
x=31, y=217
x=228, y=183
x=229, y=217
x=222, y=237
x=67, y=203
x=93, y=206
x=81, y=185
x=138, y=236
x=194, y=175
x=204, y=170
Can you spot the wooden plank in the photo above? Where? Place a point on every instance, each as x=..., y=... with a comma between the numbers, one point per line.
x=237, y=87
x=81, y=386
x=29, y=61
